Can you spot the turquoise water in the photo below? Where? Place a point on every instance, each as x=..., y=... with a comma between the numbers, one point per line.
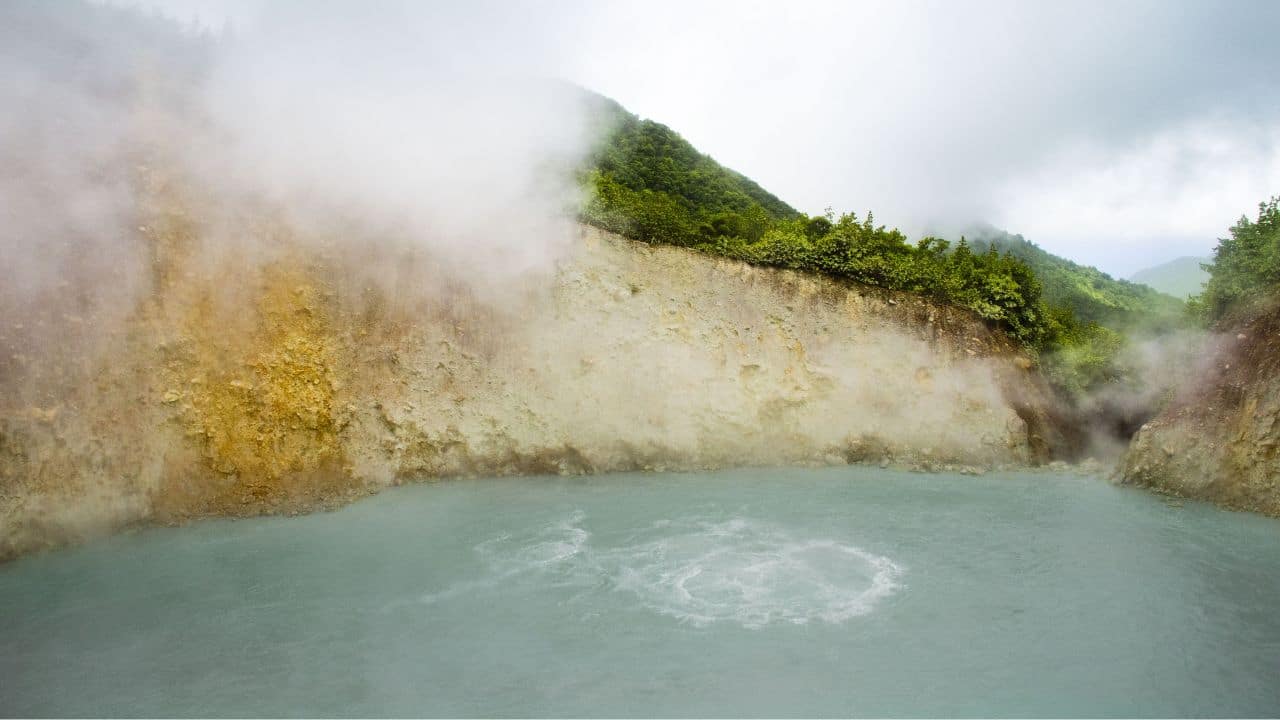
x=849, y=591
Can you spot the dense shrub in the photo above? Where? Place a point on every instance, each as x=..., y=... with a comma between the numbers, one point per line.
x=1246, y=265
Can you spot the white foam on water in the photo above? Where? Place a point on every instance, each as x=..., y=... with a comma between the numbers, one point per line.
x=752, y=574
x=740, y=571
x=548, y=549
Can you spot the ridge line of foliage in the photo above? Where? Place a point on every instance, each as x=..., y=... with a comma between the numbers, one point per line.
x=1245, y=267
x=647, y=183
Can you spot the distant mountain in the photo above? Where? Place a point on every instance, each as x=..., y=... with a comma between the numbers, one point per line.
x=1092, y=295
x=1181, y=278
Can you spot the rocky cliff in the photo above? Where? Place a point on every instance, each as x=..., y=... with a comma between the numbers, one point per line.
x=1217, y=439
x=290, y=376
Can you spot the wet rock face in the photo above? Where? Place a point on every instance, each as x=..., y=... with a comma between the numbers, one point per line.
x=294, y=383
x=1217, y=439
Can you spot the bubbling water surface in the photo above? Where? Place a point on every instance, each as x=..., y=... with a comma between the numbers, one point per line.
x=774, y=592
x=696, y=570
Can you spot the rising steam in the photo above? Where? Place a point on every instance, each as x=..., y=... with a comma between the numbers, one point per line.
x=273, y=269
x=366, y=134
x=349, y=119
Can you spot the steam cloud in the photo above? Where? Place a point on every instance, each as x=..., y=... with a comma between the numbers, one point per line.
x=332, y=249
x=387, y=136
x=340, y=115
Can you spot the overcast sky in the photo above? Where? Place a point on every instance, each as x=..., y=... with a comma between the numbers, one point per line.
x=1117, y=134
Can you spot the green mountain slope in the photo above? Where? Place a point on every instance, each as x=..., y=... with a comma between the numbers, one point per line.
x=646, y=155
x=651, y=184
x=1092, y=295
x=646, y=182
x=1181, y=278
x=1093, y=319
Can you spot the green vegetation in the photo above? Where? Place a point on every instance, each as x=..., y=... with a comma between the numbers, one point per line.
x=998, y=287
x=1246, y=265
x=650, y=184
x=646, y=182
x=1092, y=316
x=1091, y=295
x=1182, y=278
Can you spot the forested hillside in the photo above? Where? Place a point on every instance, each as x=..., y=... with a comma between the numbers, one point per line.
x=1246, y=264
x=1094, y=318
x=646, y=182
x=1090, y=294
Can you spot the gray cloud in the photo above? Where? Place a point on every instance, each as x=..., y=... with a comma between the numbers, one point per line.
x=932, y=114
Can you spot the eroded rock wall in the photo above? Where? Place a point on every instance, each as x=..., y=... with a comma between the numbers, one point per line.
x=295, y=382
x=1217, y=439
